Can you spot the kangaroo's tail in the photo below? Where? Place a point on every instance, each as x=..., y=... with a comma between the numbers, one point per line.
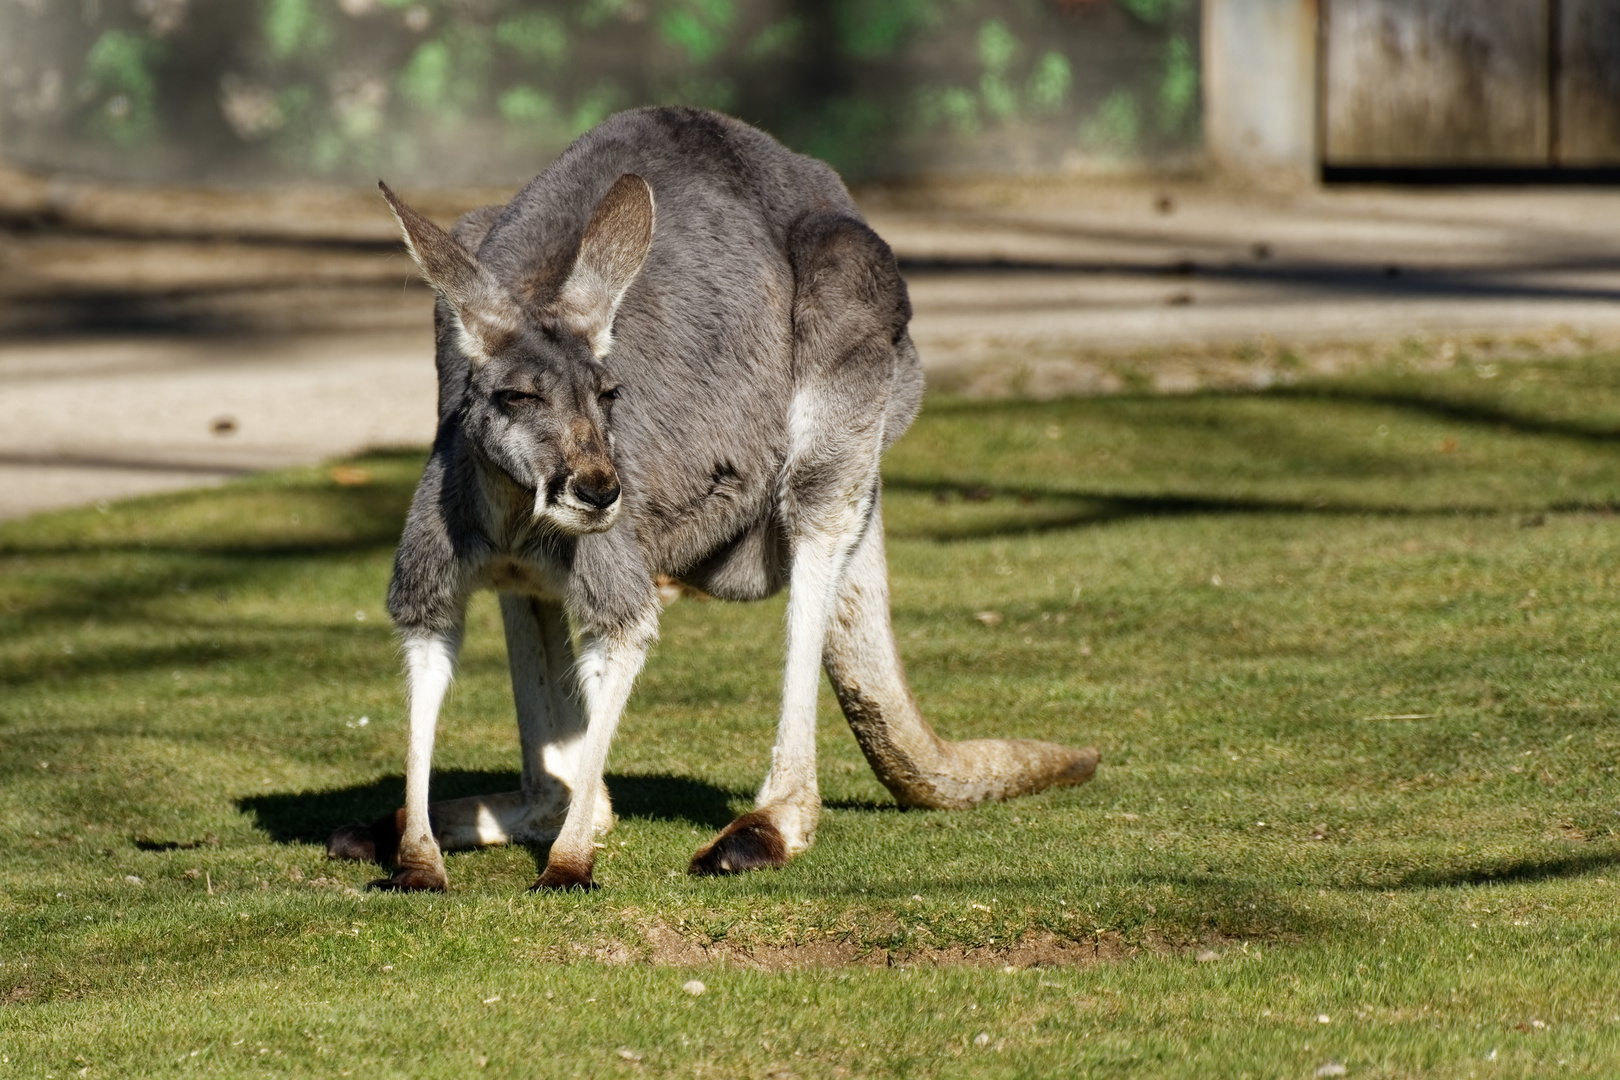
x=914, y=763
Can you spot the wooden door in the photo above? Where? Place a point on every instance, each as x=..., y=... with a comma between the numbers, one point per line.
x=1587, y=120
x=1437, y=83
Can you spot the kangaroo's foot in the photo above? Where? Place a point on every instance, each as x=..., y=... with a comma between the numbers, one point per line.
x=765, y=837
x=752, y=842
x=420, y=867
x=352, y=842
x=462, y=824
x=566, y=873
x=374, y=843
x=412, y=879
x=564, y=879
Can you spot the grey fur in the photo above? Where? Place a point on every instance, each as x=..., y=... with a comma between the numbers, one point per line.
x=763, y=296
x=703, y=356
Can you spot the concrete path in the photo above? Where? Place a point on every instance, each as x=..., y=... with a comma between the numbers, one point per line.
x=1122, y=269
x=86, y=420
x=1044, y=288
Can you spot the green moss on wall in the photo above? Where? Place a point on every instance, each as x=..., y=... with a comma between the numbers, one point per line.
x=488, y=90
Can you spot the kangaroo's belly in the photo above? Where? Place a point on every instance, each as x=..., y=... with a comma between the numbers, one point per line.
x=752, y=565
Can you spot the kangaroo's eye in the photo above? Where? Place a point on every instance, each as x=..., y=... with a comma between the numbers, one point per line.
x=515, y=398
x=608, y=396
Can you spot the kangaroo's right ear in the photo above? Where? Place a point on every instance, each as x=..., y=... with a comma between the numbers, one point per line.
x=615, y=245
x=488, y=318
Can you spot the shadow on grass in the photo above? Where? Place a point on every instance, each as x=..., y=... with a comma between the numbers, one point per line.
x=343, y=518
x=1439, y=404
x=200, y=659
x=362, y=521
x=1505, y=871
x=1480, y=413
x=308, y=817
x=1085, y=510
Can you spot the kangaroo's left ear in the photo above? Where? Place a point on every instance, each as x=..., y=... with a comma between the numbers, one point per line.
x=610, y=256
x=486, y=315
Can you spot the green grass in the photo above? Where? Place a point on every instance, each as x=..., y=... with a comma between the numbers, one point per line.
x=1346, y=648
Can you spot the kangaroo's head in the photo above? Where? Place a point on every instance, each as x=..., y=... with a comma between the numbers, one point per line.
x=539, y=399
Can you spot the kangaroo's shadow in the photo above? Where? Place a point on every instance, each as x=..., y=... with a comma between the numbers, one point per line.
x=308, y=817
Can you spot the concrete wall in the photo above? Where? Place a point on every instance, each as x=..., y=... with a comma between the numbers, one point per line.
x=1260, y=89
x=487, y=91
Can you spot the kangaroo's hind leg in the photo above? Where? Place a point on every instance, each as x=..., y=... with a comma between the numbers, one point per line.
x=845, y=311
x=552, y=730
x=788, y=807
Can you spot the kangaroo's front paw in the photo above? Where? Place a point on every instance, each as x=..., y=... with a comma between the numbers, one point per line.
x=412, y=879
x=562, y=876
x=752, y=842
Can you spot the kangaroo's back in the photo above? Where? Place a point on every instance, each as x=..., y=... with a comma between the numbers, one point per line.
x=702, y=342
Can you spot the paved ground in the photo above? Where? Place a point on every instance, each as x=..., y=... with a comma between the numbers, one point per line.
x=1053, y=289
x=89, y=419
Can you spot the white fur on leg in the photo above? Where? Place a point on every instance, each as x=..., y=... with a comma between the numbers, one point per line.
x=561, y=753
x=790, y=787
x=551, y=727
x=430, y=663
x=526, y=662
x=826, y=534
x=551, y=731
x=607, y=670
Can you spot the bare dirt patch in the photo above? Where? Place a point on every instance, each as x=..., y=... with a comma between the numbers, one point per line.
x=665, y=946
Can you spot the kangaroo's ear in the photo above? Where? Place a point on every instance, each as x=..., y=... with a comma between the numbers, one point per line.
x=610, y=256
x=487, y=315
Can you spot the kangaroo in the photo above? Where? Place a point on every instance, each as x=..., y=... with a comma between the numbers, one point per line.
x=678, y=351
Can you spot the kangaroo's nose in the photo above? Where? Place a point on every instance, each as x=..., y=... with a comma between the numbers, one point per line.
x=598, y=497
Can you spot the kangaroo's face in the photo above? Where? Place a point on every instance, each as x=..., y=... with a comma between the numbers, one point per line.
x=541, y=413
x=539, y=400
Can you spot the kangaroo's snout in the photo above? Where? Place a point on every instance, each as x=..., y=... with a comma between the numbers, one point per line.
x=589, y=499
x=599, y=493
x=589, y=502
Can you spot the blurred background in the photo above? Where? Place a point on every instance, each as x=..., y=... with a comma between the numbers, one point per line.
x=187, y=220
x=485, y=91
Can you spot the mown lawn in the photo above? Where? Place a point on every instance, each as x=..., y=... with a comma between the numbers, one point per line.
x=1348, y=649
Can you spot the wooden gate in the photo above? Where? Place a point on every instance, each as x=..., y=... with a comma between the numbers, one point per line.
x=1471, y=83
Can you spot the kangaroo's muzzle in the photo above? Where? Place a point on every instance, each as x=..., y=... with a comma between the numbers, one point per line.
x=598, y=495
x=588, y=502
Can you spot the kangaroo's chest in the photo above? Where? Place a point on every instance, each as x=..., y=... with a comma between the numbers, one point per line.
x=519, y=573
